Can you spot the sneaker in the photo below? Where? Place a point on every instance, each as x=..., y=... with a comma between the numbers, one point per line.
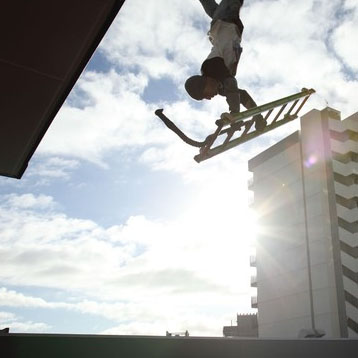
x=260, y=122
x=227, y=117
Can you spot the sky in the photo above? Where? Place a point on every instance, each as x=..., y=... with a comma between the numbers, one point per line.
x=114, y=228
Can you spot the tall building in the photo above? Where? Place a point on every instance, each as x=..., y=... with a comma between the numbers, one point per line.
x=246, y=326
x=306, y=195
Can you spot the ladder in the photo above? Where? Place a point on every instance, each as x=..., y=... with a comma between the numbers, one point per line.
x=225, y=136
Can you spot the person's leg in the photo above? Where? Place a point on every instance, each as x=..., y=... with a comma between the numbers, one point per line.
x=247, y=100
x=228, y=10
x=209, y=6
x=226, y=44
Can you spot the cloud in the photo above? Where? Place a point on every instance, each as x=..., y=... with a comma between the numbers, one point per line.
x=17, y=324
x=142, y=270
x=12, y=298
x=153, y=317
x=112, y=124
x=49, y=249
x=148, y=276
x=117, y=118
x=344, y=33
x=48, y=168
x=28, y=326
x=28, y=201
x=6, y=316
x=107, y=113
x=162, y=39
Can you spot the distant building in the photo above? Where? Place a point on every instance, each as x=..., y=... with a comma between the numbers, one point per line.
x=246, y=327
x=306, y=195
x=177, y=334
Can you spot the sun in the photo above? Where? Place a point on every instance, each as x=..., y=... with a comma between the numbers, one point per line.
x=221, y=226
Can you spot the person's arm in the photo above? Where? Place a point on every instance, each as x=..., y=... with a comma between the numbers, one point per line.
x=209, y=6
x=235, y=96
x=232, y=94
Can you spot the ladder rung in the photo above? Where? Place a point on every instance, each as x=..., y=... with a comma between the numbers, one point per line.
x=268, y=114
x=279, y=113
x=292, y=107
x=301, y=105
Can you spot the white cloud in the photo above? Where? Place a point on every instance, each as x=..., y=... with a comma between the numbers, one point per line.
x=291, y=50
x=6, y=316
x=117, y=118
x=281, y=55
x=28, y=201
x=28, y=327
x=49, y=168
x=160, y=39
x=12, y=298
x=53, y=250
x=141, y=270
x=202, y=316
x=344, y=33
x=18, y=325
x=178, y=274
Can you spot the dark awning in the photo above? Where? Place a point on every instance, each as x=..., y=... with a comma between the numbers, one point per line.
x=44, y=47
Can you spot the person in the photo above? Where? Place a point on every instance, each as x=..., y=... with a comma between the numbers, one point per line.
x=219, y=69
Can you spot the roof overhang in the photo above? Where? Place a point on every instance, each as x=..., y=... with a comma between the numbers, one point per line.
x=45, y=46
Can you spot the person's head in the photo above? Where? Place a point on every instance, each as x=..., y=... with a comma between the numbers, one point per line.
x=201, y=87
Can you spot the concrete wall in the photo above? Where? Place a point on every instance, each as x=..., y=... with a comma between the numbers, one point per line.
x=321, y=219
x=75, y=346
x=283, y=291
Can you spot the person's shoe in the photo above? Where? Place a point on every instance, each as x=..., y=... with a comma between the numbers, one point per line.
x=260, y=122
x=227, y=117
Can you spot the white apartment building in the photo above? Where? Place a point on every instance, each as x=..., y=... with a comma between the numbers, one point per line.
x=306, y=194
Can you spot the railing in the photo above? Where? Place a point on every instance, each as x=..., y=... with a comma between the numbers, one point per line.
x=253, y=260
x=250, y=183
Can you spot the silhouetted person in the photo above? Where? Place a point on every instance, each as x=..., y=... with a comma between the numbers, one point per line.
x=219, y=69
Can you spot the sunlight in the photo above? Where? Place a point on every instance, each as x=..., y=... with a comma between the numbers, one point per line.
x=221, y=213
x=221, y=227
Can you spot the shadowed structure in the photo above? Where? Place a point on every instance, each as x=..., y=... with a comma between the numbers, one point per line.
x=45, y=46
x=74, y=346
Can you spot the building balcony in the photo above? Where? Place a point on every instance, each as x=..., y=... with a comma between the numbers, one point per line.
x=253, y=260
x=253, y=302
x=250, y=184
x=343, y=169
x=253, y=281
x=251, y=202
